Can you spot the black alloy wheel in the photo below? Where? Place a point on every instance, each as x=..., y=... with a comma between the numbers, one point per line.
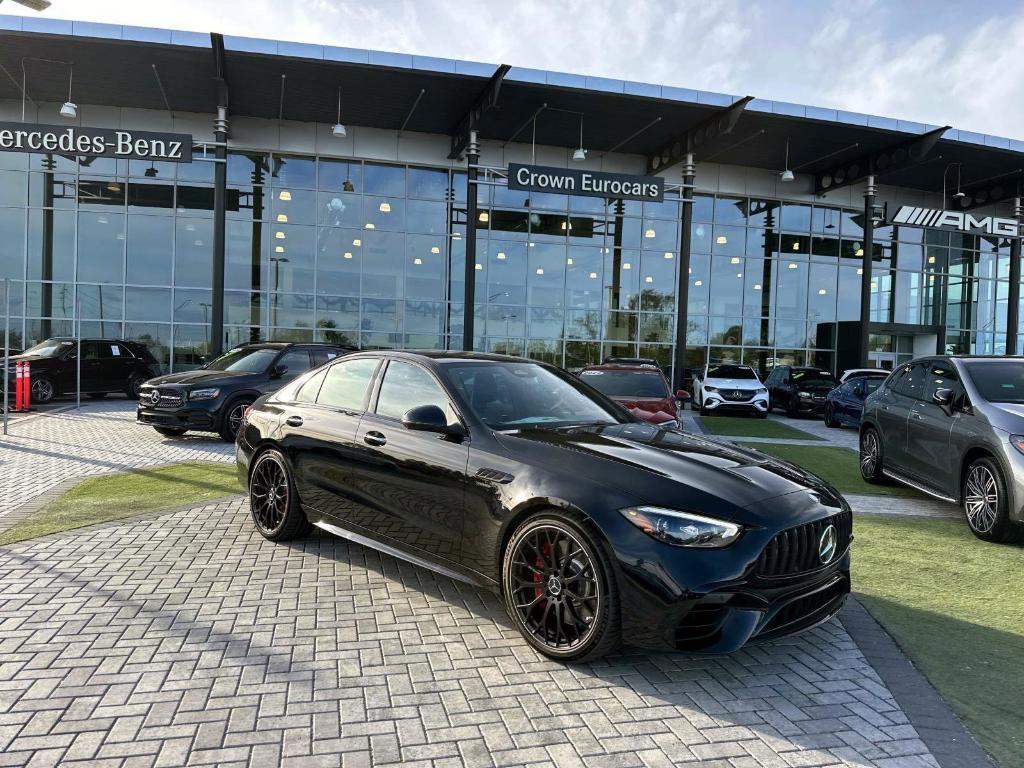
x=871, y=456
x=986, y=503
x=559, y=589
x=273, y=502
x=135, y=382
x=43, y=390
x=231, y=422
x=830, y=419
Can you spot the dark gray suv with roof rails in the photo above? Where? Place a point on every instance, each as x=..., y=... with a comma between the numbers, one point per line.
x=953, y=427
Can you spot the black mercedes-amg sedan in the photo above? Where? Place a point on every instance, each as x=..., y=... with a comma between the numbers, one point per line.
x=594, y=527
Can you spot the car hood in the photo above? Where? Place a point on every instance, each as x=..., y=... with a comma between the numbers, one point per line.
x=732, y=383
x=672, y=469
x=1007, y=416
x=192, y=378
x=655, y=410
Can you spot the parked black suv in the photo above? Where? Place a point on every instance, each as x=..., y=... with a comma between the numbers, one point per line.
x=108, y=365
x=799, y=390
x=214, y=397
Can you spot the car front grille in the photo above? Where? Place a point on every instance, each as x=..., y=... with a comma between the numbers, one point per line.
x=807, y=609
x=169, y=398
x=737, y=394
x=795, y=550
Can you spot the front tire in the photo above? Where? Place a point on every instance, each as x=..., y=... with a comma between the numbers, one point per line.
x=134, y=386
x=273, y=501
x=560, y=589
x=871, y=457
x=987, y=503
x=231, y=420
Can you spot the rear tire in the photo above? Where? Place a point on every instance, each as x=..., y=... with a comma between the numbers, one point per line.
x=43, y=390
x=135, y=382
x=170, y=431
x=231, y=419
x=871, y=460
x=573, y=613
x=986, y=503
x=273, y=500
x=830, y=418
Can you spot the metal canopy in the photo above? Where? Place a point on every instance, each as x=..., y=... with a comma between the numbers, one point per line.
x=120, y=73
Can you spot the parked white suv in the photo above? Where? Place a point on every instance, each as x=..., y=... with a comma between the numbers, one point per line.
x=729, y=387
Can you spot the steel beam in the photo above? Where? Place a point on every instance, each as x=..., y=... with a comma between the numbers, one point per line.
x=485, y=100
x=895, y=157
x=719, y=124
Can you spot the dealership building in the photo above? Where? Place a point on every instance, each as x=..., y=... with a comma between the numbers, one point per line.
x=194, y=191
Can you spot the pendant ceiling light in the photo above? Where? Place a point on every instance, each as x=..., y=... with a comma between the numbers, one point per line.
x=338, y=130
x=787, y=175
x=580, y=153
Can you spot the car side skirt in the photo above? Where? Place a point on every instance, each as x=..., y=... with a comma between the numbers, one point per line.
x=917, y=486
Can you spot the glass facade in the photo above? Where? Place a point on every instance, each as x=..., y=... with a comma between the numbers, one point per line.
x=373, y=254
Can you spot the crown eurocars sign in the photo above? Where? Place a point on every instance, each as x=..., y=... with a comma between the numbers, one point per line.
x=960, y=221
x=96, y=142
x=572, y=181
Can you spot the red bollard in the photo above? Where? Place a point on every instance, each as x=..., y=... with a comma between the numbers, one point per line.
x=27, y=379
x=17, y=386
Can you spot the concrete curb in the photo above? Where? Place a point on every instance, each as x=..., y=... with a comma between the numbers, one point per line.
x=939, y=728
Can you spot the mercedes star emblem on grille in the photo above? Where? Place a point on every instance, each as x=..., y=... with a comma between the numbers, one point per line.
x=827, y=545
x=155, y=397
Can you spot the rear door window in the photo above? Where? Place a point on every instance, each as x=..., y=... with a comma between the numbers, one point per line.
x=296, y=361
x=912, y=384
x=408, y=386
x=346, y=384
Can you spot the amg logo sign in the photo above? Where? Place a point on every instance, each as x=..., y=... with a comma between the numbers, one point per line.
x=964, y=222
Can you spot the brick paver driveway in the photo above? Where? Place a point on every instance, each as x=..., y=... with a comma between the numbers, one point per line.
x=186, y=639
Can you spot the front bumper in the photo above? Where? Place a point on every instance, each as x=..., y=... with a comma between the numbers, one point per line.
x=176, y=411
x=810, y=405
x=718, y=600
x=716, y=401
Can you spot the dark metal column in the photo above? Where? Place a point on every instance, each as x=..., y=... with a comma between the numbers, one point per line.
x=865, y=266
x=472, y=160
x=1013, y=297
x=682, y=314
x=220, y=191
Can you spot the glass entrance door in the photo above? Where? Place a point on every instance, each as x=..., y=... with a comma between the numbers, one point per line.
x=884, y=360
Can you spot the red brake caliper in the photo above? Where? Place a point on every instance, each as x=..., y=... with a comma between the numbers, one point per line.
x=546, y=550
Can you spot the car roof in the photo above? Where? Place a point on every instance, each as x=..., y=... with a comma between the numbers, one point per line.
x=639, y=367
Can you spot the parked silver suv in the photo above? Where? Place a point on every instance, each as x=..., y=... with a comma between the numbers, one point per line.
x=953, y=427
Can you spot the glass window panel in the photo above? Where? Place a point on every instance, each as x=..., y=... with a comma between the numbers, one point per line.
x=289, y=310
x=696, y=331
x=246, y=248
x=244, y=308
x=408, y=386
x=909, y=256
x=334, y=312
x=193, y=252
x=763, y=213
x=761, y=242
x=15, y=161
x=658, y=278
x=729, y=240
x=724, y=355
x=247, y=203
x=12, y=237
x=622, y=278
x=725, y=331
x=582, y=324
x=428, y=183
x=383, y=263
x=791, y=333
x=194, y=199
x=826, y=221
x=703, y=208
x=757, y=284
x=727, y=286
x=148, y=304
x=340, y=175
x=545, y=275
x=340, y=210
x=821, y=299
x=796, y=217
x=425, y=276
x=908, y=298
x=338, y=260
x=794, y=246
x=298, y=207
x=150, y=249
x=101, y=245
x=506, y=271
x=584, y=277
x=791, y=290
x=191, y=346
x=50, y=299
x=51, y=243
x=147, y=196
x=100, y=302
x=13, y=188
x=700, y=238
x=384, y=180
x=908, y=234
x=424, y=317
x=730, y=210
x=700, y=282
x=101, y=194
x=581, y=353
x=384, y=213
x=52, y=190
x=292, y=258
x=197, y=170
x=621, y=326
x=291, y=172
x=669, y=208
x=382, y=315
x=245, y=168
x=192, y=306
x=427, y=216
x=505, y=321
x=155, y=337
x=546, y=323
x=823, y=248
x=758, y=331
x=660, y=235
x=657, y=328
x=821, y=335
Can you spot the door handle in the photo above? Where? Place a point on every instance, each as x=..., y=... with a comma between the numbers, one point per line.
x=375, y=438
x=293, y=421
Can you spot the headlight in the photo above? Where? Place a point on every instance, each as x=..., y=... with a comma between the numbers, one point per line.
x=804, y=394
x=1017, y=441
x=710, y=389
x=670, y=423
x=682, y=529
x=203, y=394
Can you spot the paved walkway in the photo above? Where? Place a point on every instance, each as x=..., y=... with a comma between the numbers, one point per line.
x=44, y=450
x=187, y=639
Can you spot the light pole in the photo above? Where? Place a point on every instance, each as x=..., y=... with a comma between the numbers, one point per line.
x=277, y=261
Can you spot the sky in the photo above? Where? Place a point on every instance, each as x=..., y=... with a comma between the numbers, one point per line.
x=929, y=61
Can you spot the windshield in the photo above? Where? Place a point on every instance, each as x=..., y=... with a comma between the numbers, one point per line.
x=513, y=395
x=998, y=382
x=251, y=360
x=730, y=372
x=814, y=379
x=627, y=383
x=48, y=348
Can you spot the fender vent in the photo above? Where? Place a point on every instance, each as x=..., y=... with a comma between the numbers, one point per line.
x=494, y=475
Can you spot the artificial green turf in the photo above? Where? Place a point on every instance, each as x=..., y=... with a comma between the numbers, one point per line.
x=955, y=604
x=112, y=497
x=745, y=426
x=837, y=466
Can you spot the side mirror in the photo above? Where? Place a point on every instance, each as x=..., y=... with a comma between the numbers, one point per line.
x=431, y=418
x=943, y=396
x=682, y=394
x=278, y=371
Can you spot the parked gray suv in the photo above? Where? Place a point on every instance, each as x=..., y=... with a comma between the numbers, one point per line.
x=953, y=427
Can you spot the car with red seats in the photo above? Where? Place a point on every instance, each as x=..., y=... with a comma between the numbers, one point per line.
x=640, y=387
